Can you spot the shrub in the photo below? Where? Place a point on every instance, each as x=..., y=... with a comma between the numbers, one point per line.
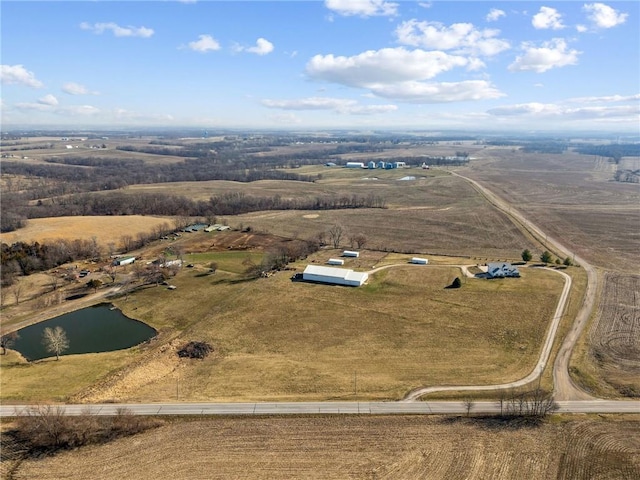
x=195, y=350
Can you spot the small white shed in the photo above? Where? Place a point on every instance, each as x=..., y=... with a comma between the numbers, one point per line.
x=335, y=261
x=419, y=261
x=350, y=253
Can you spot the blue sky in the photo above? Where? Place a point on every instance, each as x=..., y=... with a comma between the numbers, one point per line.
x=359, y=64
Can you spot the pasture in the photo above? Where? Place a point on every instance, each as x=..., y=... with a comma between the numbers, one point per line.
x=105, y=229
x=434, y=214
x=381, y=447
x=280, y=340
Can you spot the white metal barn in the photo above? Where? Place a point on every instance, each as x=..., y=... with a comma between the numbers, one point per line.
x=334, y=276
x=355, y=165
x=419, y=261
x=124, y=261
x=335, y=261
x=350, y=253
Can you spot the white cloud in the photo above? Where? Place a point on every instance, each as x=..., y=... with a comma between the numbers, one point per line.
x=262, y=47
x=338, y=105
x=443, y=92
x=387, y=65
x=73, y=88
x=582, y=111
x=543, y=111
x=117, y=30
x=606, y=99
x=205, y=43
x=547, y=18
x=581, y=28
x=48, y=100
x=18, y=75
x=603, y=16
x=399, y=74
x=552, y=54
x=459, y=37
x=494, y=14
x=79, y=110
x=362, y=8
x=122, y=114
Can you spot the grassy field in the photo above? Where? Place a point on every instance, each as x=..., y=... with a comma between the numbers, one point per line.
x=51, y=380
x=385, y=447
x=276, y=339
x=105, y=229
x=436, y=213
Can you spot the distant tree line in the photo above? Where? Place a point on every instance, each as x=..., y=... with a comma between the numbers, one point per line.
x=229, y=203
x=614, y=152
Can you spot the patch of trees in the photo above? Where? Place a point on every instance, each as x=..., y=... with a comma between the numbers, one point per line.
x=46, y=430
x=627, y=176
x=96, y=161
x=195, y=350
x=535, y=404
x=615, y=151
x=277, y=258
x=230, y=203
x=26, y=258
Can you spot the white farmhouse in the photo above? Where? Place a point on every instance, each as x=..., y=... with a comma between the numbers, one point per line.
x=334, y=276
x=501, y=270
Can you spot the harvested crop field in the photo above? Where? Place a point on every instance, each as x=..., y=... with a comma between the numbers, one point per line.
x=573, y=198
x=615, y=334
x=385, y=447
x=106, y=229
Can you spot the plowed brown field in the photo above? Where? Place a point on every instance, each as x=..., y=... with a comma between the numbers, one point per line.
x=615, y=335
x=392, y=447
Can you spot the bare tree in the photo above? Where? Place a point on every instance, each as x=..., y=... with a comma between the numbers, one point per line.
x=53, y=281
x=55, y=340
x=469, y=403
x=17, y=289
x=360, y=240
x=112, y=271
x=7, y=341
x=335, y=234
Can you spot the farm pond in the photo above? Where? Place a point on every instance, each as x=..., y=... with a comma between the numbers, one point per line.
x=100, y=328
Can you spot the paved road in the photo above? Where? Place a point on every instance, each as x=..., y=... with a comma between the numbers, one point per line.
x=564, y=388
x=333, y=408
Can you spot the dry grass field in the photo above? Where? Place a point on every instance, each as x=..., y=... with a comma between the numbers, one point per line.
x=384, y=447
x=573, y=198
x=280, y=340
x=436, y=213
x=33, y=150
x=105, y=229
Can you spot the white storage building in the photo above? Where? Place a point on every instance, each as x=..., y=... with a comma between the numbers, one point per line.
x=419, y=261
x=334, y=276
x=355, y=165
x=350, y=253
x=335, y=261
x=124, y=261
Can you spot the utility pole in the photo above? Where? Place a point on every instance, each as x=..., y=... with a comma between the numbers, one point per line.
x=355, y=384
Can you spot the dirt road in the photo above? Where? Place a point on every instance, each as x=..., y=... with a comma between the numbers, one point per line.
x=564, y=388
